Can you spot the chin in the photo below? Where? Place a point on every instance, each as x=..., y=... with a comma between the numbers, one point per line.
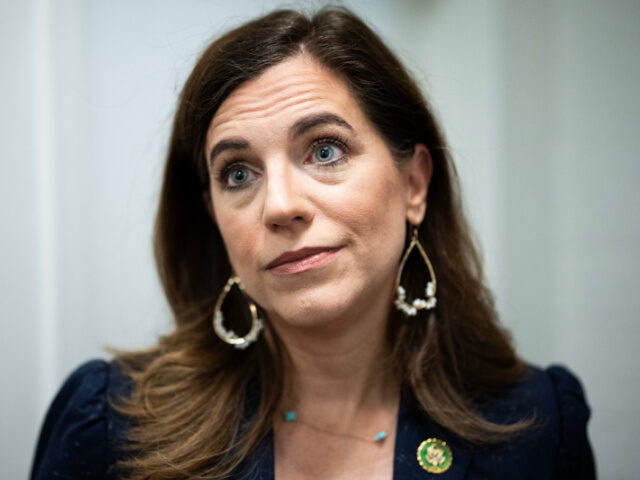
x=312, y=315
x=313, y=309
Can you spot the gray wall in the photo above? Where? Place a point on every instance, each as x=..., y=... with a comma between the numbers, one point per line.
x=538, y=99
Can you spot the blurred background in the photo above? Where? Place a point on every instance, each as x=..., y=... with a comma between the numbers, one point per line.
x=540, y=103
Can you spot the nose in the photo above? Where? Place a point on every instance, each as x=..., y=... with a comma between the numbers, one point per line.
x=286, y=204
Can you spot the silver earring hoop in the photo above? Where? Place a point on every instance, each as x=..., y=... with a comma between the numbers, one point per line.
x=228, y=336
x=411, y=309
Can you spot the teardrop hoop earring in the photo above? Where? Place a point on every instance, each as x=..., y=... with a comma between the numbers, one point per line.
x=411, y=309
x=229, y=336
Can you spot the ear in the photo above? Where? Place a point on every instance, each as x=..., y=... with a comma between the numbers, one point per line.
x=208, y=205
x=419, y=170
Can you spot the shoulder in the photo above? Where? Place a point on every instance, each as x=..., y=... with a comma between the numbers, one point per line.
x=557, y=442
x=543, y=392
x=81, y=430
x=574, y=458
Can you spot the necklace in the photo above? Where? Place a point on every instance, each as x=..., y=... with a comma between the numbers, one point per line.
x=291, y=417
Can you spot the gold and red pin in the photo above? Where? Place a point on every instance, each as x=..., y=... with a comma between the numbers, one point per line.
x=434, y=455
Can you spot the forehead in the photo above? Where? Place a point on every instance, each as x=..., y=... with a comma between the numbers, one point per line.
x=288, y=90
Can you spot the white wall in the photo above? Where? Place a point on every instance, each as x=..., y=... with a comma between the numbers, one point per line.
x=596, y=202
x=19, y=260
x=539, y=101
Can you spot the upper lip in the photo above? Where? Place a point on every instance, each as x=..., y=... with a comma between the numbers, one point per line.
x=295, y=255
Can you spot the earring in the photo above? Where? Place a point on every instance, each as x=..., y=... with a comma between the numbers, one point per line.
x=411, y=309
x=228, y=336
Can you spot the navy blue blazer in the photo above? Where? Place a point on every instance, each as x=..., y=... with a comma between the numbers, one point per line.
x=82, y=432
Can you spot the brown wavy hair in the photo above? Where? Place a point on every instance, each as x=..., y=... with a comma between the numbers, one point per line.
x=186, y=408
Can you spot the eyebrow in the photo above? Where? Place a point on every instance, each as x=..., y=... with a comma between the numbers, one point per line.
x=228, y=144
x=307, y=123
x=298, y=128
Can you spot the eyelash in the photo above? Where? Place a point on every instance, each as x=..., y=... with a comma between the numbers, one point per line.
x=333, y=140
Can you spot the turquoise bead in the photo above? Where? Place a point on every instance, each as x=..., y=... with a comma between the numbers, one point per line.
x=381, y=435
x=290, y=416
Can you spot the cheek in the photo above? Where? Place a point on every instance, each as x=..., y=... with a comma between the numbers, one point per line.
x=238, y=238
x=374, y=208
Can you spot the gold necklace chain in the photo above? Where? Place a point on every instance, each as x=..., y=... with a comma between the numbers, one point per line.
x=292, y=417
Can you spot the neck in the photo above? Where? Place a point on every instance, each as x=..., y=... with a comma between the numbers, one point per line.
x=341, y=369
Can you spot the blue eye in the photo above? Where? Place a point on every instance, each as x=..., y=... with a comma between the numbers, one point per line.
x=238, y=176
x=324, y=154
x=327, y=153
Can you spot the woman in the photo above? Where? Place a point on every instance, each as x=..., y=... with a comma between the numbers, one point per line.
x=331, y=320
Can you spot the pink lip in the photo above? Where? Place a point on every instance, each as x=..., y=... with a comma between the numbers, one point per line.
x=299, y=261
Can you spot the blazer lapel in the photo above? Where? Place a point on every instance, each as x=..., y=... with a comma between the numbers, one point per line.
x=260, y=466
x=414, y=427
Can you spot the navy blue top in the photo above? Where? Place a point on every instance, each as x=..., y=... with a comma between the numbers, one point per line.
x=81, y=433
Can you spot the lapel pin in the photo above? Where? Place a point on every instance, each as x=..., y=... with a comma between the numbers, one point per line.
x=434, y=455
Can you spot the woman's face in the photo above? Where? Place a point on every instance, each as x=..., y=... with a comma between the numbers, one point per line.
x=308, y=199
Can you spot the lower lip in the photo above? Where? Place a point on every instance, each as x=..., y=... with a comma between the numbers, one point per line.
x=311, y=262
